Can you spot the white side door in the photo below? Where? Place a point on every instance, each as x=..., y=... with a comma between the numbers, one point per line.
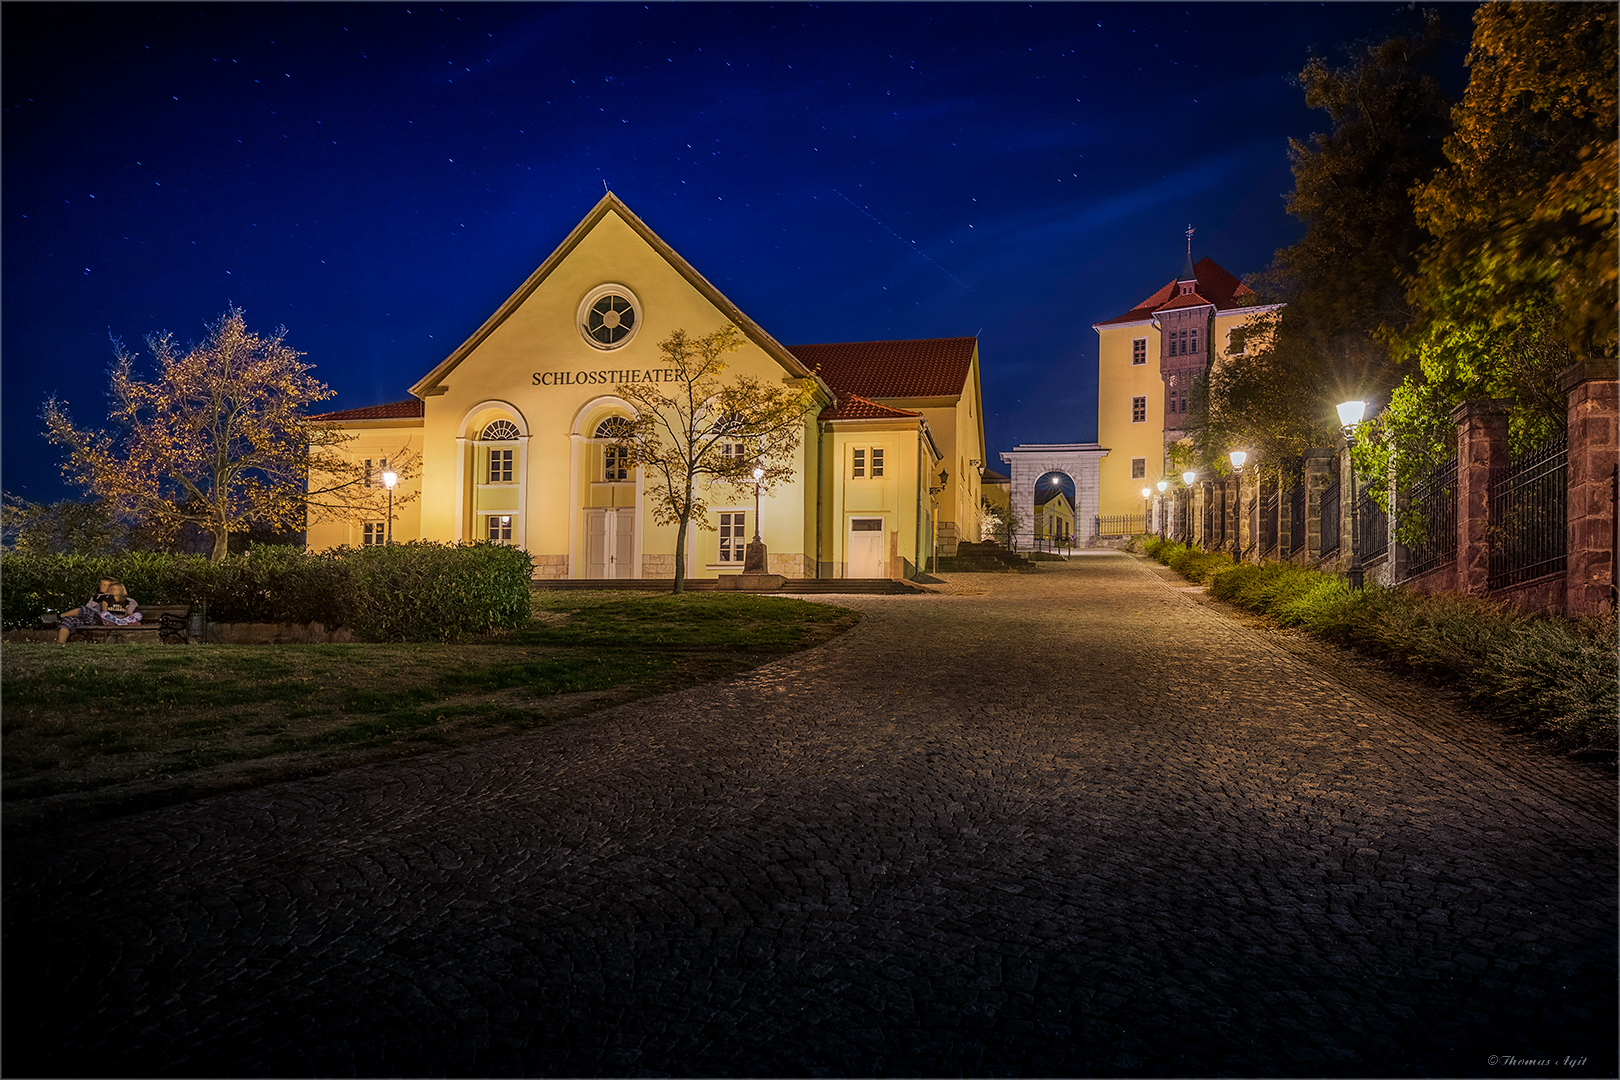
x=866, y=536
x=596, y=545
x=621, y=542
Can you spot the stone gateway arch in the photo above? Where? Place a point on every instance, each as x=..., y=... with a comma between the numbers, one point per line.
x=1083, y=464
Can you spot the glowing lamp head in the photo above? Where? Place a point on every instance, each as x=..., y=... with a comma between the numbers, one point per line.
x=1238, y=458
x=1161, y=485
x=1147, y=493
x=759, y=474
x=389, y=479
x=1351, y=412
x=1188, y=477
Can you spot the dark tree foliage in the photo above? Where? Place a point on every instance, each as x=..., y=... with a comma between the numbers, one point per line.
x=1344, y=283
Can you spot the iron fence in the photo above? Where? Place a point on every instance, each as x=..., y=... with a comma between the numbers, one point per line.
x=1116, y=525
x=1528, y=532
x=1296, y=518
x=1372, y=526
x=1331, y=517
x=1268, y=520
x=1433, y=507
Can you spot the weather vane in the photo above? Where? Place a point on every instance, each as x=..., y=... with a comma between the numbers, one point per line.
x=1189, y=241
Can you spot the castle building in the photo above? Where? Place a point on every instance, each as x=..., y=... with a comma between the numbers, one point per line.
x=1147, y=361
x=513, y=431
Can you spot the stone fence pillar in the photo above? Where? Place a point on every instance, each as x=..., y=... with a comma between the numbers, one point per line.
x=1593, y=437
x=1318, y=469
x=1482, y=448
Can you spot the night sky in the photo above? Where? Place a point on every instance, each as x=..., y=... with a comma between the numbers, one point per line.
x=379, y=178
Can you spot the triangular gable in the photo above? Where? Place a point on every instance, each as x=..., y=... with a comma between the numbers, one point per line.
x=611, y=204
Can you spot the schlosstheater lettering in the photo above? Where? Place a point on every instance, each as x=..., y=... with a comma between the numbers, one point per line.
x=595, y=378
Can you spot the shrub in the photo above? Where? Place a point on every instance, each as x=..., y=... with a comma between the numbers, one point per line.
x=1552, y=673
x=402, y=592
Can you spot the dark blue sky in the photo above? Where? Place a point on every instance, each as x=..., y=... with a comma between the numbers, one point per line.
x=379, y=178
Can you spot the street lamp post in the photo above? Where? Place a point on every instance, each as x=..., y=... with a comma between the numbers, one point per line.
x=1238, y=458
x=1162, y=485
x=389, y=479
x=1147, y=509
x=754, y=561
x=759, y=474
x=1350, y=414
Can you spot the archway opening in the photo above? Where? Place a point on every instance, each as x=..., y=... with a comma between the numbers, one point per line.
x=1052, y=512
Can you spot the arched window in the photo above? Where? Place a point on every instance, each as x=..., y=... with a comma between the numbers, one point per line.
x=498, y=458
x=615, y=459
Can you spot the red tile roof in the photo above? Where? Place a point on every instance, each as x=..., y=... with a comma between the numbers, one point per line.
x=855, y=407
x=394, y=410
x=1215, y=286
x=932, y=367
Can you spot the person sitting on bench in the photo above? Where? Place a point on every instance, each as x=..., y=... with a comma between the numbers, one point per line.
x=111, y=606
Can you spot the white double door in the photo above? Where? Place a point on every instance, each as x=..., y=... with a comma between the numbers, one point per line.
x=866, y=538
x=610, y=543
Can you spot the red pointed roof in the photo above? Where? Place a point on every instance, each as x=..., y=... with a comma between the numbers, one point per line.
x=1215, y=286
x=930, y=367
x=855, y=407
x=394, y=410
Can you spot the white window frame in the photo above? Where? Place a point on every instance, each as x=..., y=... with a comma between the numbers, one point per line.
x=737, y=552
x=509, y=528
x=373, y=534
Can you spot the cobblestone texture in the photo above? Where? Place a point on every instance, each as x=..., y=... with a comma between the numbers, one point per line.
x=1076, y=823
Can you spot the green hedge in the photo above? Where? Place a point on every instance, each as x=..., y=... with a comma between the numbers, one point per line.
x=1552, y=673
x=399, y=592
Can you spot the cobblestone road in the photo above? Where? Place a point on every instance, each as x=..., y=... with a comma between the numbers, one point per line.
x=1077, y=823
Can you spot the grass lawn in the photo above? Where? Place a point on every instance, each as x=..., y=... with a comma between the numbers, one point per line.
x=90, y=730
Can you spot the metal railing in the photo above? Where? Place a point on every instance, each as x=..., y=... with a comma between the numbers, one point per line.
x=1433, y=506
x=1269, y=504
x=1372, y=526
x=1331, y=517
x=1115, y=525
x=1296, y=518
x=1528, y=531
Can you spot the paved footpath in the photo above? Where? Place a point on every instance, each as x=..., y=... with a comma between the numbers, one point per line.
x=1077, y=823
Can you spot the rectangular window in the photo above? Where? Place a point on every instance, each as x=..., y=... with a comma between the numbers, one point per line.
x=500, y=529
x=1237, y=341
x=1184, y=343
x=1139, y=410
x=500, y=466
x=373, y=533
x=1139, y=351
x=1183, y=402
x=371, y=477
x=732, y=450
x=1195, y=341
x=1138, y=468
x=733, y=537
x=615, y=463
x=877, y=462
x=858, y=467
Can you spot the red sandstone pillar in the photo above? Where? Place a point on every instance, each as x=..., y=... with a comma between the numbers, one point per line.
x=1593, y=414
x=1482, y=448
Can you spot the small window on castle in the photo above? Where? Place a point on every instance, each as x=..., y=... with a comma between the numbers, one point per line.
x=1138, y=468
x=1139, y=351
x=1195, y=342
x=1139, y=410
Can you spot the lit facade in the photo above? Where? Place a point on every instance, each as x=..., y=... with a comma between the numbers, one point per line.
x=513, y=430
x=1147, y=360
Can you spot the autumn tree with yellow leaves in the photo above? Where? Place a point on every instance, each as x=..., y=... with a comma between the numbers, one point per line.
x=694, y=432
x=218, y=438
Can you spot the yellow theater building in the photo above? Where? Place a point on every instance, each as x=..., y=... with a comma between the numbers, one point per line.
x=1147, y=359
x=512, y=431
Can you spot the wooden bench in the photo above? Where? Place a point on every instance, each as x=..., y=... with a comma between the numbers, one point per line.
x=166, y=623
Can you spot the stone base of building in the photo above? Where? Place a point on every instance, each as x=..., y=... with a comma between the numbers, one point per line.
x=751, y=583
x=551, y=567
